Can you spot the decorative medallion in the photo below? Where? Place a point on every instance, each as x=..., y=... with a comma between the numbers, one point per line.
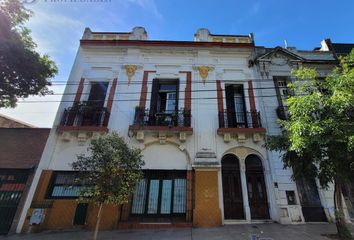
x=130, y=70
x=203, y=71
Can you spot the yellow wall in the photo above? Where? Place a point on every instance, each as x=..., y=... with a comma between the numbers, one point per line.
x=61, y=214
x=206, y=212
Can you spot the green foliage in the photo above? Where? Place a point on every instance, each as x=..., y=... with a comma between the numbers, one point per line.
x=110, y=172
x=318, y=139
x=319, y=136
x=23, y=71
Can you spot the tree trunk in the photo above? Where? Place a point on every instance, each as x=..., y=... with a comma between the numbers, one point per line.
x=342, y=228
x=98, y=222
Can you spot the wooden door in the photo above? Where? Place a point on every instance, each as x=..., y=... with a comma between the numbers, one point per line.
x=232, y=190
x=80, y=214
x=257, y=193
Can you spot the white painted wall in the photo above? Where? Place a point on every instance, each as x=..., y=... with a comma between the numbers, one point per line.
x=229, y=66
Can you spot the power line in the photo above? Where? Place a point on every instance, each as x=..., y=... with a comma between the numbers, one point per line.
x=139, y=82
x=137, y=100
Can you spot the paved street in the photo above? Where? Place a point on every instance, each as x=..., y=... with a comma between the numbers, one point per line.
x=242, y=232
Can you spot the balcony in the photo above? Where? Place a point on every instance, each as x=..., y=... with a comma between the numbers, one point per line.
x=240, y=124
x=282, y=113
x=84, y=117
x=161, y=122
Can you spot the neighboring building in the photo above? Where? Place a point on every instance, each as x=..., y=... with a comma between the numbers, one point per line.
x=338, y=49
x=342, y=49
x=7, y=122
x=20, y=151
x=309, y=203
x=198, y=110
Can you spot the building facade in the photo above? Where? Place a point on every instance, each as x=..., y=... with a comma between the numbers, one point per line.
x=20, y=155
x=198, y=111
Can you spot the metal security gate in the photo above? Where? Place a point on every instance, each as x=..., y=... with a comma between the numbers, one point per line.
x=159, y=196
x=12, y=184
x=310, y=200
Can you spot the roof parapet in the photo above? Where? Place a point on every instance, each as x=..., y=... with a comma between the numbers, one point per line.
x=204, y=35
x=137, y=33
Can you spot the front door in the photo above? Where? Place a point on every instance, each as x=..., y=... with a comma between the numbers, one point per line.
x=312, y=209
x=80, y=214
x=257, y=194
x=232, y=191
x=161, y=195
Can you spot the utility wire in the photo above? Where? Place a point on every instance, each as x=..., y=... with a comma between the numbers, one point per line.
x=137, y=100
x=139, y=82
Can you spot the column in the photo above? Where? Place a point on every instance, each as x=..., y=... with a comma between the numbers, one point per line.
x=246, y=205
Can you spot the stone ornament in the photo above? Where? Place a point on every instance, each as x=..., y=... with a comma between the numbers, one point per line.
x=130, y=71
x=203, y=71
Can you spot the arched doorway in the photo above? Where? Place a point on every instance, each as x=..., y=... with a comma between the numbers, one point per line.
x=257, y=193
x=232, y=189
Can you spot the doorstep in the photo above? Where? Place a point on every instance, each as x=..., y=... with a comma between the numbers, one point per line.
x=152, y=225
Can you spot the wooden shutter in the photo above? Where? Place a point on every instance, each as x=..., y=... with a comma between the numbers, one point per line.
x=153, y=101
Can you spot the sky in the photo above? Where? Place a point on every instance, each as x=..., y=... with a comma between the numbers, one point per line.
x=57, y=26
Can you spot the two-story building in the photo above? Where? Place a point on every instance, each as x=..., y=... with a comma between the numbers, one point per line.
x=302, y=200
x=199, y=112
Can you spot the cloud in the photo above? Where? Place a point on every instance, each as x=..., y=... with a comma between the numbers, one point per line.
x=255, y=8
x=148, y=5
x=50, y=30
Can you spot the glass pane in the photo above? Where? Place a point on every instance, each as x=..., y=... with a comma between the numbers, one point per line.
x=260, y=189
x=166, y=197
x=179, y=197
x=66, y=191
x=239, y=108
x=153, y=196
x=250, y=188
x=138, y=205
x=168, y=87
x=170, y=102
x=65, y=178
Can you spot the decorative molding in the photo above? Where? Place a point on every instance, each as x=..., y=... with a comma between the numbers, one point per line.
x=130, y=71
x=204, y=71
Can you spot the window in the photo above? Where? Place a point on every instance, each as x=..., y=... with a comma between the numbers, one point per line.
x=65, y=185
x=97, y=94
x=235, y=103
x=281, y=88
x=164, y=96
x=160, y=193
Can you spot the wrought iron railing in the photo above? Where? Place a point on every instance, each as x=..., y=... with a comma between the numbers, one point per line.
x=283, y=113
x=232, y=119
x=144, y=117
x=84, y=115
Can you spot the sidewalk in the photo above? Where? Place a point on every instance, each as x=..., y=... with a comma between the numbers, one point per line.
x=239, y=232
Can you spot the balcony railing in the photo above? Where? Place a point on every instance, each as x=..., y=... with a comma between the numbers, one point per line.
x=82, y=115
x=229, y=119
x=283, y=113
x=144, y=117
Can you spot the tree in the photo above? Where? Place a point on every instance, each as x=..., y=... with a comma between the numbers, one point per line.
x=23, y=71
x=318, y=139
x=109, y=173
